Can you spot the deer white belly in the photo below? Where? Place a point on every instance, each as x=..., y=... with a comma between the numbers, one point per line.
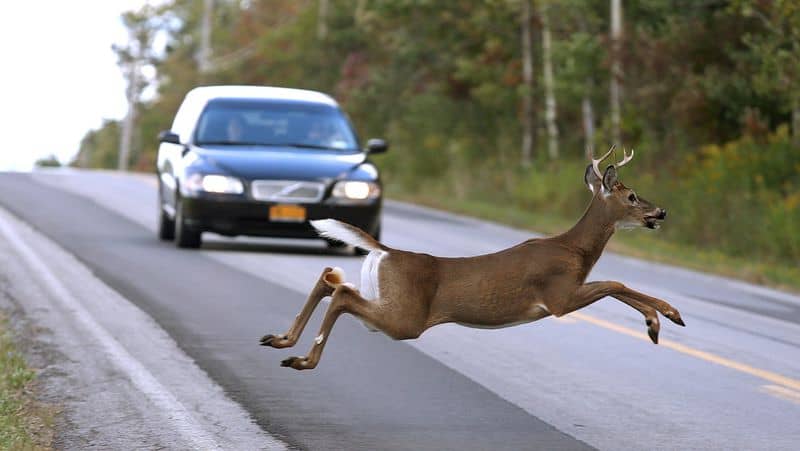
x=536, y=312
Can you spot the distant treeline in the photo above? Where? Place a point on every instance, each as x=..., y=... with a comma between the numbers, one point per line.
x=498, y=100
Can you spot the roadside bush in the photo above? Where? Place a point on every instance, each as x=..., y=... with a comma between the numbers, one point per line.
x=741, y=198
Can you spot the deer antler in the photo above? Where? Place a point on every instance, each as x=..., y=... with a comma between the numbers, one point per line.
x=626, y=159
x=596, y=162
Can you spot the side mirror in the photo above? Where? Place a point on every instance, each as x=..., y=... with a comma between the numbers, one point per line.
x=377, y=146
x=169, y=137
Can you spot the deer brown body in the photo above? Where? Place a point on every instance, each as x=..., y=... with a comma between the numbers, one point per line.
x=404, y=293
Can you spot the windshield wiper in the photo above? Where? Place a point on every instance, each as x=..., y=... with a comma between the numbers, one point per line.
x=231, y=143
x=312, y=146
x=244, y=143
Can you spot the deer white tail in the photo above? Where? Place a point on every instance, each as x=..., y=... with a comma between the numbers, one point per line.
x=346, y=233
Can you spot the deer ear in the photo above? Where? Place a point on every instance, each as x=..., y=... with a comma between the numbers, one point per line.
x=591, y=179
x=609, y=178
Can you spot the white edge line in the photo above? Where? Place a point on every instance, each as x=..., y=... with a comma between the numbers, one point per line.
x=184, y=423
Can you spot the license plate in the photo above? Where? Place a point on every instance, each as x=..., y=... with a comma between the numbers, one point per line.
x=287, y=213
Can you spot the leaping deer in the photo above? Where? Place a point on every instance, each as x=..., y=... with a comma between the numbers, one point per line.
x=405, y=293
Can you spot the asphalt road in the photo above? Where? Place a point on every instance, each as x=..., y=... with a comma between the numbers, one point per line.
x=729, y=380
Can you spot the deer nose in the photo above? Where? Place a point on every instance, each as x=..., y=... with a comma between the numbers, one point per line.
x=662, y=214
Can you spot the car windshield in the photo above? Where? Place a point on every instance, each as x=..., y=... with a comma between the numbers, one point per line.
x=274, y=123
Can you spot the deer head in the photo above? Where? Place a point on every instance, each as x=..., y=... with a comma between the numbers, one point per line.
x=626, y=208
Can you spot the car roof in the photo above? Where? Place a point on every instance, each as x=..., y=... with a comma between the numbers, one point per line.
x=203, y=94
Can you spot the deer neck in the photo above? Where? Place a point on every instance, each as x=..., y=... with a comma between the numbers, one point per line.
x=591, y=233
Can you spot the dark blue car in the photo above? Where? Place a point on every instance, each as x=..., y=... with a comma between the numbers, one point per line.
x=263, y=161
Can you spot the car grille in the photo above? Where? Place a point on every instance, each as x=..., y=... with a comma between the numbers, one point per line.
x=294, y=191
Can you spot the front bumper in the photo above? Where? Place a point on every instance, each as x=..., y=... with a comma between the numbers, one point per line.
x=230, y=216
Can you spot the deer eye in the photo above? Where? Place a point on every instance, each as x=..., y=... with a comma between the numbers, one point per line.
x=632, y=197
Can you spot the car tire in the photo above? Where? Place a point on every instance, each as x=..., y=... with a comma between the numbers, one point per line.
x=166, y=225
x=184, y=236
x=335, y=244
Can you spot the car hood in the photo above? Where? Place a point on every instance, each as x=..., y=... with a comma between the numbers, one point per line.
x=280, y=163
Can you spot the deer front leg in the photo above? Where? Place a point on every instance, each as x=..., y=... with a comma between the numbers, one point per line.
x=649, y=313
x=586, y=294
x=591, y=292
x=650, y=316
x=345, y=299
x=663, y=307
x=324, y=287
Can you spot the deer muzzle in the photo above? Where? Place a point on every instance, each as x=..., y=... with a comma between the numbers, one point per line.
x=653, y=221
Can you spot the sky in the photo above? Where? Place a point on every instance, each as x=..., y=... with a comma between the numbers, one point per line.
x=58, y=77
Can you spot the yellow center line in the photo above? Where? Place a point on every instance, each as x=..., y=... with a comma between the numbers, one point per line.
x=781, y=393
x=775, y=378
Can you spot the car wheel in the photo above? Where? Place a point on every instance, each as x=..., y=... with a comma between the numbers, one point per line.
x=335, y=244
x=166, y=226
x=184, y=236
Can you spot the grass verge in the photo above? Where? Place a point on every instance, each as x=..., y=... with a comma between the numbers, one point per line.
x=635, y=243
x=24, y=423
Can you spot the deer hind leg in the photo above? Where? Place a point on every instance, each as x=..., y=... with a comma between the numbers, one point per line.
x=345, y=300
x=328, y=280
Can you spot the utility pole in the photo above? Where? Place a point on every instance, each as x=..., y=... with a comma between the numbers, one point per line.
x=616, y=70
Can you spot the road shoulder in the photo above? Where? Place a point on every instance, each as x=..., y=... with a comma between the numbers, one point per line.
x=122, y=382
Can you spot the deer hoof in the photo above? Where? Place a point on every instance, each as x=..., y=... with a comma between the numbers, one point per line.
x=334, y=277
x=275, y=341
x=675, y=317
x=653, y=327
x=298, y=363
x=653, y=333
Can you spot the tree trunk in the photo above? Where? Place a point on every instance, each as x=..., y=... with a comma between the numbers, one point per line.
x=796, y=122
x=549, y=89
x=322, y=20
x=527, y=78
x=127, y=123
x=587, y=110
x=588, y=121
x=616, y=70
x=204, y=54
x=360, y=12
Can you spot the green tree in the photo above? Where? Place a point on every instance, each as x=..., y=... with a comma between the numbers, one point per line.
x=99, y=148
x=775, y=53
x=49, y=161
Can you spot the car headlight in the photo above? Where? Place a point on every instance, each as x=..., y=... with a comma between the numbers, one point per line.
x=213, y=183
x=355, y=190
